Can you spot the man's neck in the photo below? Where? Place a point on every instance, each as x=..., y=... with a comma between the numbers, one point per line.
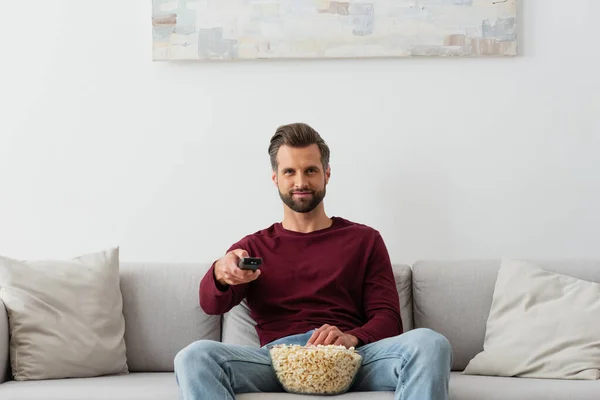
x=306, y=222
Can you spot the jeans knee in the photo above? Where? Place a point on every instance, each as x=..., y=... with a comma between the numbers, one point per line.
x=193, y=354
x=433, y=343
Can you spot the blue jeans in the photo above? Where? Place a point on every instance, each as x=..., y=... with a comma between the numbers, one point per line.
x=414, y=365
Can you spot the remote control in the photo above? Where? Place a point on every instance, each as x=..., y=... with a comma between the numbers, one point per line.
x=250, y=263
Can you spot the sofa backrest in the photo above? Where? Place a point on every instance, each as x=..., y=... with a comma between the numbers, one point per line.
x=163, y=315
x=162, y=312
x=454, y=298
x=238, y=325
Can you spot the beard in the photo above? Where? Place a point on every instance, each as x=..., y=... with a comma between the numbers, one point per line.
x=303, y=204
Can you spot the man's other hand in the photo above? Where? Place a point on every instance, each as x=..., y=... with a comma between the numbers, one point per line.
x=227, y=271
x=328, y=334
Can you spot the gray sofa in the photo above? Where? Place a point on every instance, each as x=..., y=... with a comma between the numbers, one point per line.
x=162, y=316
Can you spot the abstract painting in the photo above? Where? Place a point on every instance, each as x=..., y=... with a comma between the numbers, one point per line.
x=289, y=29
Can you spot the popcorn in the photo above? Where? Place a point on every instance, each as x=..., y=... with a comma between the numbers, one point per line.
x=315, y=369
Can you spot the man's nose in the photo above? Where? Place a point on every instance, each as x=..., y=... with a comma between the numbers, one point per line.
x=300, y=182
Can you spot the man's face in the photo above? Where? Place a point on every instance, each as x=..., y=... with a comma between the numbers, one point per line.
x=300, y=177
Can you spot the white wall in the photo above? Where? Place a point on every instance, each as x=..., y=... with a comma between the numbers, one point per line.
x=448, y=158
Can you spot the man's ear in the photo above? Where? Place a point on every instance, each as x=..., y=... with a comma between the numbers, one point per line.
x=274, y=177
x=327, y=174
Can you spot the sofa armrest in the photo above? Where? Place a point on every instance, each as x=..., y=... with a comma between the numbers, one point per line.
x=4, y=344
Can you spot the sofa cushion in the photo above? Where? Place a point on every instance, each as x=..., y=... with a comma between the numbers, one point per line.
x=162, y=386
x=345, y=396
x=162, y=313
x=474, y=387
x=238, y=324
x=66, y=316
x=135, y=386
x=541, y=325
x=403, y=278
x=454, y=298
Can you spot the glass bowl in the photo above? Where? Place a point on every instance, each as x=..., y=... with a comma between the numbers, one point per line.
x=322, y=370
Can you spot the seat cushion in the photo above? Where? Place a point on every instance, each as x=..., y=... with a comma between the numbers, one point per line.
x=345, y=396
x=135, y=386
x=474, y=387
x=162, y=386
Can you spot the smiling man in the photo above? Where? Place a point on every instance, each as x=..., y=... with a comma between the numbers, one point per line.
x=324, y=280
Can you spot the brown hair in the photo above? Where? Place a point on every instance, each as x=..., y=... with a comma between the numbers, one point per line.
x=297, y=135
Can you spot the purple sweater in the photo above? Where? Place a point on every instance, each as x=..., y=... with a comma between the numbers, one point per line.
x=341, y=275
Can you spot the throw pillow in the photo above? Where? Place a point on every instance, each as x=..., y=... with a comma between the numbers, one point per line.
x=541, y=325
x=65, y=317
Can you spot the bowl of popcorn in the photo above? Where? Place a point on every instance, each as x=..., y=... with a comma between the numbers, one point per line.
x=321, y=369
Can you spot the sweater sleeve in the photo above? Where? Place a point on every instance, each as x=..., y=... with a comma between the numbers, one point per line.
x=216, y=299
x=381, y=302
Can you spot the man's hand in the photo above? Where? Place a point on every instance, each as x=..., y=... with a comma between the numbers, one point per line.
x=227, y=271
x=328, y=334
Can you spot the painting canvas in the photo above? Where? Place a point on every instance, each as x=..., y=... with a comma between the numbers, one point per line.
x=269, y=29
